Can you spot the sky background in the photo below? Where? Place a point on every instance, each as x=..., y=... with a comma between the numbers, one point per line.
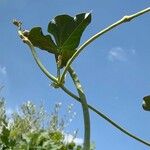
x=114, y=70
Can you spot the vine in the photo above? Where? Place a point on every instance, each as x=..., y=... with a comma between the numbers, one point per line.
x=67, y=32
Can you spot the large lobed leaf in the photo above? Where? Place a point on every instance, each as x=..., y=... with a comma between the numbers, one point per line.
x=66, y=31
x=146, y=103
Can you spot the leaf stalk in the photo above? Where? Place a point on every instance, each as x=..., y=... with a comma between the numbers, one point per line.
x=86, y=115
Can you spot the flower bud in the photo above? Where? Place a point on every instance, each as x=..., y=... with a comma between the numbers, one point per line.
x=146, y=103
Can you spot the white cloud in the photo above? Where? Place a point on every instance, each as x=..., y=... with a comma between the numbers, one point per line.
x=117, y=53
x=3, y=70
x=78, y=141
x=120, y=54
x=69, y=138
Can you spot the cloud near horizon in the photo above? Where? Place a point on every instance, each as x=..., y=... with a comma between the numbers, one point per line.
x=69, y=138
x=9, y=111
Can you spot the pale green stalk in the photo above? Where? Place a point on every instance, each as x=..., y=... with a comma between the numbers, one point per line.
x=90, y=40
x=51, y=77
x=44, y=70
x=86, y=115
x=78, y=87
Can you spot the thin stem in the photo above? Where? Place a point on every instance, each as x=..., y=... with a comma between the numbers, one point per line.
x=58, y=72
x=70, y=93
x=51, y=77
x=85, y=109
x=107, y=118
x=90, y=40
x=35, y=56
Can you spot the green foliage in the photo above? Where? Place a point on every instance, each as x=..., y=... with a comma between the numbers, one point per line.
x=66, y=31
x=30, y=129
x=44, y=42
x=146, y=103
x=5, y=142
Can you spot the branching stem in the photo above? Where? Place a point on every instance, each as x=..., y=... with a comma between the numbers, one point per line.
x=90, y=40
x=77, y=84
x=98, y=112
x=81, y=97
x=44, y=70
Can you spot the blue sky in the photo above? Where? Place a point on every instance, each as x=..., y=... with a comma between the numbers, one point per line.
x=114, y=69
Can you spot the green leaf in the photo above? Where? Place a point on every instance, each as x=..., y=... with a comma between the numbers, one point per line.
x=5, y=135
x=67, y=32
x=146, y=103
x=41, y=41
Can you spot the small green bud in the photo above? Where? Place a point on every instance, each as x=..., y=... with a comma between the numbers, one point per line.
x=17, y=23
x=146, y=103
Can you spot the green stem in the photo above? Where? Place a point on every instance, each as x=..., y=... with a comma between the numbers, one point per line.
x=85, y=109
x=35, y=56
x=106, y=118
x=79, y=50
x=45, y=71
x=78, y=86
x=58, y=72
